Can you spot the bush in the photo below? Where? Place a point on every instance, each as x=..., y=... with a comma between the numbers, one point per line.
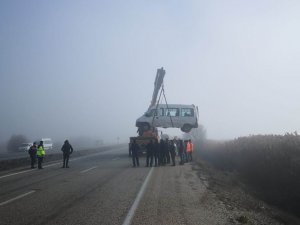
x=271, y=163
x=15, y=141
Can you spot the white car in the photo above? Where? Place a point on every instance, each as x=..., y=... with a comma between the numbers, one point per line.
x=25, y=147
x=48, y=144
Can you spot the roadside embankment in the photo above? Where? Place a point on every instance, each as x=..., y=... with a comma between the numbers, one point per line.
x=25, y=161
x=270, y=164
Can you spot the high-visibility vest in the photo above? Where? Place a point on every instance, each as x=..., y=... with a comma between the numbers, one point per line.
x=188, y=147
x=40, y=151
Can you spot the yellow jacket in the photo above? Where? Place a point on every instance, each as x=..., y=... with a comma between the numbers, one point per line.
x=40, y=151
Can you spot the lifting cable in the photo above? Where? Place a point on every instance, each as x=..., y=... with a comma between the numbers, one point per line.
x=162, y=91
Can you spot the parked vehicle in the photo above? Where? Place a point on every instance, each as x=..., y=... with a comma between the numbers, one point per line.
x=48, y=144
x=24, y=147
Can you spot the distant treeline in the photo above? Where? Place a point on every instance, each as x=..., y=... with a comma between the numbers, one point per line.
x=270, y=163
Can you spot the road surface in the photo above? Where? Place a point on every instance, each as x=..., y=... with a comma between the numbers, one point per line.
x=103, y=188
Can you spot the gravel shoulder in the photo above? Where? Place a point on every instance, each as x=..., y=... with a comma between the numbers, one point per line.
x=196, y=193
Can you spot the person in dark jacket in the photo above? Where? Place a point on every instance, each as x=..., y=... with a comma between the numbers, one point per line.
x=162, y=158
x=150, y=152
x=181, y=151
x=156, y=152
x=134, y=153
x=32, y=152
x=167, y=151
x=172, y=152
x=67, y=150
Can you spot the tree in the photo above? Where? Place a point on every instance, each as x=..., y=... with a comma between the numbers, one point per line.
x=15, y=141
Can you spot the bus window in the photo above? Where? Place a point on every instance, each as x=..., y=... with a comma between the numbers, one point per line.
x=172, y=112
x=187, y=112
x=161, y=112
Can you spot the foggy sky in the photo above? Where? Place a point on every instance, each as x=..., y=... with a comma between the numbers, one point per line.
x=72, y=68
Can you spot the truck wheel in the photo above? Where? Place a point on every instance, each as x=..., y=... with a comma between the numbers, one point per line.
x=186, y=128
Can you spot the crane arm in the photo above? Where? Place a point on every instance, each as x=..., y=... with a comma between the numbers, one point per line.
x=160, y=74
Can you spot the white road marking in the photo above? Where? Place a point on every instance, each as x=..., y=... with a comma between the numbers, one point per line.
x=116, y=158
x=134, y=206
x=53, y=164
x=84, y=171
x=16, y=198
x=12, y=174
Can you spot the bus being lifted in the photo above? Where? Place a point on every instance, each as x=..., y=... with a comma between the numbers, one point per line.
x=172, y=115
x=166, y=115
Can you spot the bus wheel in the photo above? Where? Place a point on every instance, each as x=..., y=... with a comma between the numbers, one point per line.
x=186, y=128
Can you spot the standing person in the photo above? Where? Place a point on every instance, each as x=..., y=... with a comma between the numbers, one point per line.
x=167, y=150
x=172, y=152
x=32, y=152
x=176, y=147
x=181, y=152
x=134, y=153
x=150, y=151
x=161, y=153
x=40, y=154
x=185, y=145
x=189, y=150
x=67, y=150
x=156, y=152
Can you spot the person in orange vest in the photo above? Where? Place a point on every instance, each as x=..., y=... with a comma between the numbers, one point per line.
x=189, y=150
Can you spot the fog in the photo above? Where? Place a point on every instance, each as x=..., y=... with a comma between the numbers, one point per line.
x=87, y=68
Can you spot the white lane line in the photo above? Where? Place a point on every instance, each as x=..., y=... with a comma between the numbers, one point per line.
x=84, y=171
x=26, y=171
x=131, y=212
x=16, y=198
x=12, y=174
x=116, y=158
x=53, y=164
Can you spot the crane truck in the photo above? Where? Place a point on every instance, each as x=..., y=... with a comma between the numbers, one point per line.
x=166, y=115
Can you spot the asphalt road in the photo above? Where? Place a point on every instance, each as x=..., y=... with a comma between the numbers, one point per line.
x=103, y=188
x=4, y=155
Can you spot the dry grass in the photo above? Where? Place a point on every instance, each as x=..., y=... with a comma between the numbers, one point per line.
x=270, y=163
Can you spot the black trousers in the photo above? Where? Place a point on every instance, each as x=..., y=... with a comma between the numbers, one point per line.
x=185, y=156
x=156, y=158
x=33, y=160
x=173, y=154
x=66, y=159
x=149, y=158
x=181, y=154
x=135, y=160
x=190, y=156
x=167, y=156
x=40, y=161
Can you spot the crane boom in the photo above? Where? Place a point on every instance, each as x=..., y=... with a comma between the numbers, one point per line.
x=160, y=74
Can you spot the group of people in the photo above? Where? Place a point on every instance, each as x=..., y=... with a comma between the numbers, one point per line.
x=163, y=152
x=38, y=152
